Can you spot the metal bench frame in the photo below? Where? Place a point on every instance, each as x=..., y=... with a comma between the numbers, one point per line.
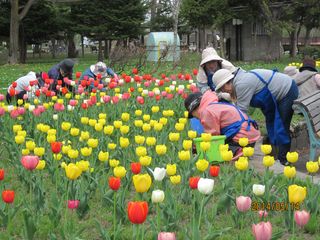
x=309, y=106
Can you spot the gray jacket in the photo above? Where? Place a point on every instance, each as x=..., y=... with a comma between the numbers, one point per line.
x=306, y=82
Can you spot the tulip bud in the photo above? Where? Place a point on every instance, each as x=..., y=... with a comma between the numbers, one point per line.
x=205, y=185
x=258, y=189
x=157, y=196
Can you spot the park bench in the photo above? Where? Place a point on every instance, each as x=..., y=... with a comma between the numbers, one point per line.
x=309, y=106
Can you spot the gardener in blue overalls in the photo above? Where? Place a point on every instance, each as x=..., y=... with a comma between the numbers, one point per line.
x=272, y=92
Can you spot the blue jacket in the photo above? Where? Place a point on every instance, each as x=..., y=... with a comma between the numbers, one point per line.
x=54, y=73
x=90, y=74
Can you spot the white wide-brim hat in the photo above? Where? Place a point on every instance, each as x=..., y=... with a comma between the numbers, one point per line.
x=99, y=67
x=290, y=71
x=210, y=54
x=221, y=77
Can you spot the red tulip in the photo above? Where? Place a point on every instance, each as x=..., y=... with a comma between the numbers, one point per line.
x=59, y=107
x=78, y=74
x=59, y=82
x=114, y=183
x=137, y=212
x=195, y=71
x=187, y=76
x=127, y=79
x=44, y=75
x=193, y=182
x=56, y=147
x=163, y=75
x=1, y=174
x=243, y=203
x=14, y=113
x=115, y=99
x=136, y=167
x=99, y=76
x=8, y=196
x=214, y=170
x=84, y=105
x=14, y=84
x=166, y=236
x=12, y=92
x=137, y=78
x=135, y=71
x=262, y=231
x=73, y=204
x=301, y=217
x=30, y=162
x=123, y=75
x=140, y=100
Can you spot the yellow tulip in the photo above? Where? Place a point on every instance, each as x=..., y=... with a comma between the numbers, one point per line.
x=248, y=151
x=268, y=161
x=175, y=179
x=124, y=129
x=312, y=167
x=192, y=134
x=72, y=171
x=206, y=137
x=30, y=145
x=124, y=142
x=153, y=122
x=297, y=193
x=125, y=117
x=112, y=146
x=52, y=132
x=98, y=127
x=92, y=122
x=119, y=172
x=51, y=138
x=205, y=146
x=65, y=149
x=141, y=151
x=151, y=141
x=84, y=120
x=292, y=157
x=242, y=164
x=138, y=112
x=139, y=139
x=74, y=132
x=146, y=117
x=158, y=126
x=117, y=124
x=19, y=139
x=22, y=133
x=114, y=162
x=86, y=151
x=25, y=152
x=184, y=155
x=57, y=156
x=163, y=120
x=226, y=155
x=187, y=144
x=202, y=165
x=161, y=149
x=16, y=128
x=171, y=169
x=41, y=165
x=65, y=126
x=183, y=120
x=266, y=149
x=36, y=101
x=84, y=135
x=223, y=147
x=103, y=156
x=20, y=102
x=102, y=122
x=145, y=160
x=102, y=116
x=243, y=142
x=138, y=123
x=179, y=126
x=174, y=137
x=83, y=165
x=108, y=130
x=39, y=151
x=186, y=114
x=146, y=127
x=155, y=109
x=72, y=153
x=289, y=172
x=92, y=142
x=142, y=182
x=39, y=126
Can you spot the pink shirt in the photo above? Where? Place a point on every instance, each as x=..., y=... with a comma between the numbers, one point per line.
x=217, y=116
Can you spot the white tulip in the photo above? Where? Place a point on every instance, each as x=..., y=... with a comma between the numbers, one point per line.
x=107, y=80
x=10, y=108
x=72, y=83
x=172, y=87
x=138, y=84
x=174, y=82
x=55, y=116
x=31, y=108
x=132, y=79
x=70, y=108
x=181, y=87
x=157, y=80
x=159, y=174
x=205, y=185
x=190, y=81
x=157, y=196
x=157, y=91
x=258, y=189
x=121, y=82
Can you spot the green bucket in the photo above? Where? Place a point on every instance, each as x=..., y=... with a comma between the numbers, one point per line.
x=213, y=153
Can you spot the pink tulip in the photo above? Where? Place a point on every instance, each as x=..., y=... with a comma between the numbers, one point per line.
x=73, y=102
x=243, y=203
x=147, y=84
x=173, y=77
x=30, y=162
x=80, y=89
x=263, y=214
x=125, y=96
x=164, y=93
x=27, y=89
x=140, y=99
x=73, y=204
x=180, y=91
x=301, y=217
x=2, y=111
x=166, y=236
x=106, y=98
x=1, y=97
x=36, y=112
x=58, y=107
x=21, y=110
x=100, y=86
x=14, y=113
x=262, y=231
x=170, y=96
x=151, y=94
x=115, y=99
x=41, y=108
x=25, y=96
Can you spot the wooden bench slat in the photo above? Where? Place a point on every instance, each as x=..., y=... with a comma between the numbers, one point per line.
x=309, y=99
x=316, y=119
x=317, y=127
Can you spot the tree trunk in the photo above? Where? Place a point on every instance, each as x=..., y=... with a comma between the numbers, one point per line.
x=100, y=55
x=22, y=45
x=307, y=39
x=176, y=10
x=106, y=48
x=214, y=39
x=82, y=46
x=71, y=46
x=153, y=12
x=14, y=32
x=53, y=50
x=201, y=39
x=222, y=48
x=293, y=43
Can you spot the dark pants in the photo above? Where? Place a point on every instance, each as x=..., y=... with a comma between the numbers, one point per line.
x=286, y=113
x=17, y=96
x=234, y=146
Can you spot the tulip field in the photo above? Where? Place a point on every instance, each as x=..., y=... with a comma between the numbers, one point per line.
x=120, y=163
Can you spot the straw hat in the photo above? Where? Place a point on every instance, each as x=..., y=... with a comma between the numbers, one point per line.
x=99, y=68
x=221, y=77
x=210, y=54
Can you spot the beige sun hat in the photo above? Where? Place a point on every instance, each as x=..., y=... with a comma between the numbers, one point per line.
x=291, y=71
x=210, y=54
x=221, y=77
x=99, y=67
